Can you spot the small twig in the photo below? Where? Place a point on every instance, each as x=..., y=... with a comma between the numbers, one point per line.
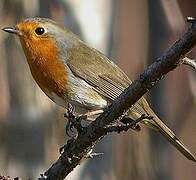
x=189, y=62
x=191, y=20
x=91, y=155
x=125, y=127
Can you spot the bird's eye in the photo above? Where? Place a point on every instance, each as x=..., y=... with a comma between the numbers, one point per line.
x=39, y=30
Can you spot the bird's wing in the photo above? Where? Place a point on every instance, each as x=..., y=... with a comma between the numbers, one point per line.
x=97, y=70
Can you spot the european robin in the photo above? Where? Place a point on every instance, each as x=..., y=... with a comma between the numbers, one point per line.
x=69, y=71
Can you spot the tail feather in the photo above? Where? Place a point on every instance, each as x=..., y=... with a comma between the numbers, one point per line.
x=171, y=137
x=157, y=124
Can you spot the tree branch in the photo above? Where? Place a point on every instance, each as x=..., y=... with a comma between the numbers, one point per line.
x=76, y=149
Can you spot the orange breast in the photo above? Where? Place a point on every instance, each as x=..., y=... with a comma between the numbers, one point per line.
x=47, y=69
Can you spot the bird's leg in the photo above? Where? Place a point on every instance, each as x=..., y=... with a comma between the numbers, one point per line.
x=70, y=116
x=89, y=115
x=73, y=121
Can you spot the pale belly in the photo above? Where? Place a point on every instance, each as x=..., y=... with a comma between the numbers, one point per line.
x=82, y=96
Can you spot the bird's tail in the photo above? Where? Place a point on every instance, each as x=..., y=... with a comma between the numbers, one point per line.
x=158, y=125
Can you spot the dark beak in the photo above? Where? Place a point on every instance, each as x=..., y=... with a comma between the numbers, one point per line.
x=12, y=30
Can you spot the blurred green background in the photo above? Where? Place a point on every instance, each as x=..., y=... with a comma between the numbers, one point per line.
x=133, y=34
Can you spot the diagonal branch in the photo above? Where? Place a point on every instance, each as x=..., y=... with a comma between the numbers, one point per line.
x=77, y=148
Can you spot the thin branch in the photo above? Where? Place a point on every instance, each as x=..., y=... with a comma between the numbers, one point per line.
x=79, y=147
x=189, y=62
x=125, y=127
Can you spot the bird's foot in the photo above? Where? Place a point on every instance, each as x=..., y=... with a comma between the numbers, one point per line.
x=73, y=122
x=90, y=115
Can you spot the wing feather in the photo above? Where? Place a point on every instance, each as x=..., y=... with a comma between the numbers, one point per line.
x=97, y=70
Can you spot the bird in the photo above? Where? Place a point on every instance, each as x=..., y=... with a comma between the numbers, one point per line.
x=69, y=71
